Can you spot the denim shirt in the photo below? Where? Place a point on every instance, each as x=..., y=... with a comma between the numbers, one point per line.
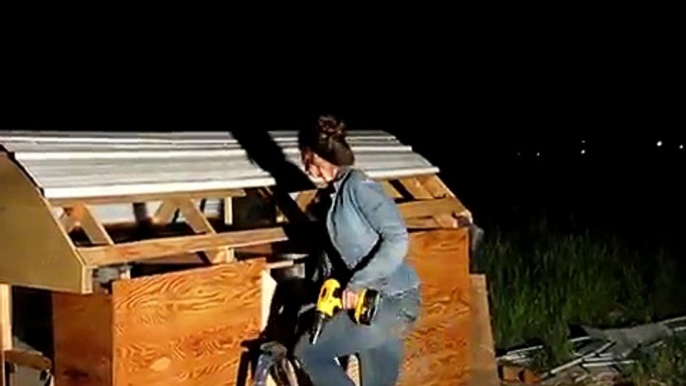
x=370, y=235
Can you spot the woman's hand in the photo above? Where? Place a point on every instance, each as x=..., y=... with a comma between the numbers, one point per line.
x=349, y=299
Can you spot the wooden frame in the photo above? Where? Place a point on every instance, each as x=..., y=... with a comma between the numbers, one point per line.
x=78, y=243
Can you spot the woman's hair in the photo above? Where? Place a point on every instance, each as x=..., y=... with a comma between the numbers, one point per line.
x=328, y=140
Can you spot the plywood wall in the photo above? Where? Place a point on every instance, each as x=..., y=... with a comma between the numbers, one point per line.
x=186, y=328
x=437, y=352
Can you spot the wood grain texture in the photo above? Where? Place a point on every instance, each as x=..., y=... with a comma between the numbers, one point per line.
x=437, y=351
x=439, y=189
x=416, y=189
x=186, y=328
x=435, y=207
x=95, y=231
x=419, y=192
x=30, y=359
x=390, y=190
x=199, y=223
x=123, y=199
x=36, y=251
x=169, y=246
x=483, y=369
x=82, y=339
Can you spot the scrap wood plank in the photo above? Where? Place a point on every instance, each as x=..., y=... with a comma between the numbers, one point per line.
x=150, y=249
x=483, y=370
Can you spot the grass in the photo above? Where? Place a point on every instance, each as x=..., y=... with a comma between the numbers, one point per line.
x=664, y=365
x=542, y=281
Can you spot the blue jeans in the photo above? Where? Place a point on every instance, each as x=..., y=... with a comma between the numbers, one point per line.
x=379, y=346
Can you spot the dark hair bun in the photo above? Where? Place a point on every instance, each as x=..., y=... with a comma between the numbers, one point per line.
x=330, y=129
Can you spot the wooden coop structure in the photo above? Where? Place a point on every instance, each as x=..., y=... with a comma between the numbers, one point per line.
x=157, y=252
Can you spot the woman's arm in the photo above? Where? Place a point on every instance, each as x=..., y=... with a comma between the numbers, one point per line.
x=384, y=217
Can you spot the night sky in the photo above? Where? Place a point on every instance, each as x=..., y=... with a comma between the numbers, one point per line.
x=481, y=115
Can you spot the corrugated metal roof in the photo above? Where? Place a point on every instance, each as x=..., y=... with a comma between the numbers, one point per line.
x=93, y=164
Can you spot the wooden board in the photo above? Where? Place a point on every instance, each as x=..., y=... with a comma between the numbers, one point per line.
x=82, y=339
x=36, y=252
x=437, y=352
x=483, y=370
x=186, y=328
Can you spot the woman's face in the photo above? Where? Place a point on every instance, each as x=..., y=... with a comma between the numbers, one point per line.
x=316, y=166
x=311, y=163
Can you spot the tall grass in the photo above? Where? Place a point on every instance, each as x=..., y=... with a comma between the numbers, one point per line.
x=542, y=281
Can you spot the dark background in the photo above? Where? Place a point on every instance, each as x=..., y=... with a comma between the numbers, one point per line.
x=470, y=105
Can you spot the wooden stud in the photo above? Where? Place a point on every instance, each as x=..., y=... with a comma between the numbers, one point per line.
x=5, y=326
x=169, y=246
x=5, y=316
x=228, y=210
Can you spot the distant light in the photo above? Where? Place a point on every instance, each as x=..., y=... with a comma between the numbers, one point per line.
x=681, y=147
x=583, y=141
x=583, y=151
x=519, y=154
x=659, y=143
x=538, y=154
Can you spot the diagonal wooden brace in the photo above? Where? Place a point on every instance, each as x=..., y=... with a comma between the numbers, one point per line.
x=81, y=214
x=199, y=223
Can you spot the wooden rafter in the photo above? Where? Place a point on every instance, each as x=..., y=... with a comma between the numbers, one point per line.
x=169, y=246
x=390, y=190
x=439, y=189
x=429, y=208
x=415, y=188
x=435, y=186
x=420, y=192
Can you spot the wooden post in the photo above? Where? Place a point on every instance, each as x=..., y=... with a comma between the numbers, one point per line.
x=5, y=326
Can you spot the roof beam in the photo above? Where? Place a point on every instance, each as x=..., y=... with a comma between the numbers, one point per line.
x=151, y=249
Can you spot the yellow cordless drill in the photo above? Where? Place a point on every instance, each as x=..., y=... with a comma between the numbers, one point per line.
x=330, y=302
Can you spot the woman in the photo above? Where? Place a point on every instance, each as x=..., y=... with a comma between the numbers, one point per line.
x=369, y=241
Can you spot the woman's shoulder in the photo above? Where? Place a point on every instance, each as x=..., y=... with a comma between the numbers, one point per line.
x=359, y=182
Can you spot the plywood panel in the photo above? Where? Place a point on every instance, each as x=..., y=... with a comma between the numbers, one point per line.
x=483, y=368
x=437, y=352
x=36, y=252
x=186, y=328
x=82, y=339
